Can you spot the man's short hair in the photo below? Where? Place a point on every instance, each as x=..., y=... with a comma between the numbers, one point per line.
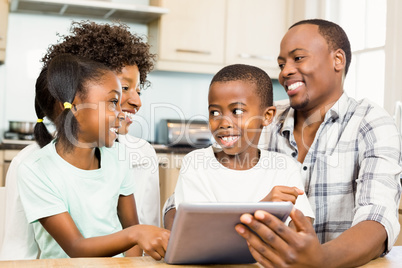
x=334, y=35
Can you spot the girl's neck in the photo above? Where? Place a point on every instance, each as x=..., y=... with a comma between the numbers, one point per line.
x=82, y=158
x=242, y=161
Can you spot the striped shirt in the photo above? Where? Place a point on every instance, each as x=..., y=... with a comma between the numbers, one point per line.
x=352, y=169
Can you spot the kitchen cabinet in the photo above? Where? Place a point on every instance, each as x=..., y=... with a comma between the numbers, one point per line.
x=3, y=28
x=190, y=38
x=202, y=36
x=5, y=159
x=125, y=12
x=254, y=32
x=2, y=177
x=169, y=169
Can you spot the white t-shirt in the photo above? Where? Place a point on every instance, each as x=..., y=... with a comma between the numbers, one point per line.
x=49, y=185
x=145, y=171
x=203, y=179
x=19, y=240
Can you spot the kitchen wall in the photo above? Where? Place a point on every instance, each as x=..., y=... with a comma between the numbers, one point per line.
x=171, y=95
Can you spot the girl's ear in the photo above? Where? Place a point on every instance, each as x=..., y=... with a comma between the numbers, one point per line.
x=269, y=115
x=339, y=60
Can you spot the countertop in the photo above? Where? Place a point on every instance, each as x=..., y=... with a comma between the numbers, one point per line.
x=159, y=148
x=392, y=260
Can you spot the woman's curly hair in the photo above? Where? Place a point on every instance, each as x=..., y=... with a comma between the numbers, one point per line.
x=112, y=44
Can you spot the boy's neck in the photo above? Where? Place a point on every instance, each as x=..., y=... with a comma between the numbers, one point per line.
x=242, y=161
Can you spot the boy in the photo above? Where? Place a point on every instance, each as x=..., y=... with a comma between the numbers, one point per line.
x=235, y=170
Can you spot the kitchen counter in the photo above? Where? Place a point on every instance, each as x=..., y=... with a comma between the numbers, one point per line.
x=392, y=260
x=14, y=144
x=159, y=148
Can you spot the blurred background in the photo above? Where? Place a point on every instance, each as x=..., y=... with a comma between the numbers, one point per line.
x=193, y=40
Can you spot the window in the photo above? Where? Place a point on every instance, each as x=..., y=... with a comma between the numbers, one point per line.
x=364, y=21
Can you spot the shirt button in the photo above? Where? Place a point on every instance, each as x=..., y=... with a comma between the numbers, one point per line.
x=304, y=168
x=294, y=154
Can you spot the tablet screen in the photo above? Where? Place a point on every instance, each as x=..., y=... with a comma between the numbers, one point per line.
x=204, y=233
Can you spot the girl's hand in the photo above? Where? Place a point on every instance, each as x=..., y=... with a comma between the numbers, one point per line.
x=153, y=240
x=283, y=193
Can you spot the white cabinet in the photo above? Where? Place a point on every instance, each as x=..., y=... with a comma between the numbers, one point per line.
x=190, y=37
x=3, y=28
x=202, y=36
x=254, y=32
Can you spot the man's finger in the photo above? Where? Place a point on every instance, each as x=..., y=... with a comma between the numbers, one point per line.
x=302, y=223
x=261, y=252
x=264, y=230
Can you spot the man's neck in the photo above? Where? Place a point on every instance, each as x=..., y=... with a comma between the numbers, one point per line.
x=306, y=124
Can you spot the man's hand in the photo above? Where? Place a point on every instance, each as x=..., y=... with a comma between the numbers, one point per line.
x=283, y=193
x=276, y=245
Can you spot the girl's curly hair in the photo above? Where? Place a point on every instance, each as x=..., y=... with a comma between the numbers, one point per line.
x=111, y=44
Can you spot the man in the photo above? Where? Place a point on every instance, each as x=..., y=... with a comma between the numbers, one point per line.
x=350, y=153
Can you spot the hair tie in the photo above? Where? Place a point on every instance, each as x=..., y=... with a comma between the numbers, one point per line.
x=39, y=120
x=67, y=105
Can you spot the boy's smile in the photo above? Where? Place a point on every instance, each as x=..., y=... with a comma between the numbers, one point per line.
x=228, y=141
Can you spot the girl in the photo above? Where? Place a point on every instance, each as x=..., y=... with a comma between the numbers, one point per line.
x=75, y=192
x=127, y=54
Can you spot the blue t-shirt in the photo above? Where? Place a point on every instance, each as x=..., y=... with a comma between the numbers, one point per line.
x=49, y=186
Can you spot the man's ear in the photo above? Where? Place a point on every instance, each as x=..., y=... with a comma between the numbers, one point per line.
x=269, y=114
x=339, y=60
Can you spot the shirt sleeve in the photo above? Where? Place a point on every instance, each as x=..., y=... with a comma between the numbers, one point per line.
x=378, y=188
x=38, y=195
x=128, y=185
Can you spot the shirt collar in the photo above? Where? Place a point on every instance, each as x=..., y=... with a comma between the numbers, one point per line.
x=337, y=111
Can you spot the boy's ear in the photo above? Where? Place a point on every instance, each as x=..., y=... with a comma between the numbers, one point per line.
x=339, y=60
x=269, y=114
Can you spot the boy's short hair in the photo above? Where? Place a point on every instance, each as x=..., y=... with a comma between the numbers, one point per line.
x=250, y=74
x=334, y=35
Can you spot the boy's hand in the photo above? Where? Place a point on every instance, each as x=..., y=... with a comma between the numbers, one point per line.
x=153, y=240
x=283, y=193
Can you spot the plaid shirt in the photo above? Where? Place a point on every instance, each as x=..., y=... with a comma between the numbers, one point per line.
x=351, y=171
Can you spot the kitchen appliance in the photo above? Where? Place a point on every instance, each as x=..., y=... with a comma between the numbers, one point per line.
x=22, y=127
x=191, y=133
x=20, y=130
x=9, y=135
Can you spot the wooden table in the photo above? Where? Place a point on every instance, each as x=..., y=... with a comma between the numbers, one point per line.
x=392, y=260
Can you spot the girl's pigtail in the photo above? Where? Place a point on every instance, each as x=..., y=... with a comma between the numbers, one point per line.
x=63, y=80
x=42, y=135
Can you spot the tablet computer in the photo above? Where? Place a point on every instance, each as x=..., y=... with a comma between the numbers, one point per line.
x=204, y=233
